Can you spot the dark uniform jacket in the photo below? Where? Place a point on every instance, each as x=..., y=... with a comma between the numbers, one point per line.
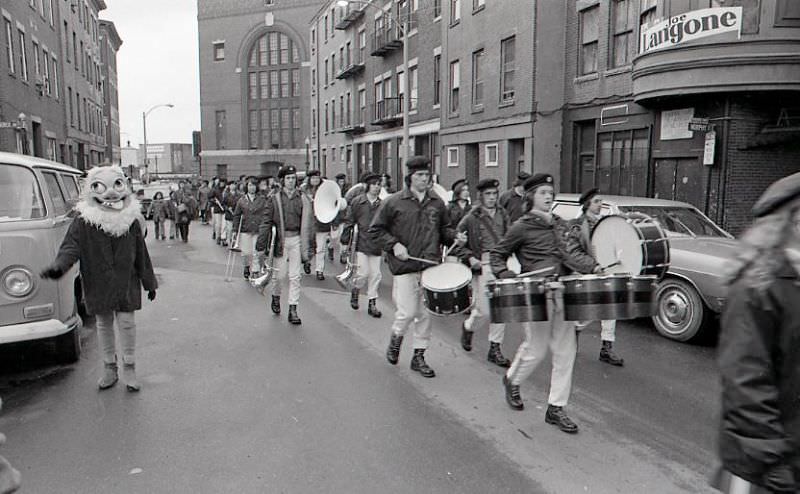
x=229, y=200
x=581, y=228
x=480, y=239
x=457, y=212
x=361, y=212
x=216, y=193
x=512, y=203
x=759, y=362
x=113, y=269
x=250, y=212
x=541, y=243
x=297, y=219
x=420, y=226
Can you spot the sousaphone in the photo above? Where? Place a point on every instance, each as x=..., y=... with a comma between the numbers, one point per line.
x=328, y=201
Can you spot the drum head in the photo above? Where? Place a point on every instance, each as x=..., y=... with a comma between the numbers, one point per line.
x=614, y=240
x=446, y=277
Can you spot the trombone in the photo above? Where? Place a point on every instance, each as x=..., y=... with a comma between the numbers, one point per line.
x=267, y=269
x=346, y=279
x=229, y=264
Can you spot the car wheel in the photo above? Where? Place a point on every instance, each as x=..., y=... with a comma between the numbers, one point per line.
x=680, y=313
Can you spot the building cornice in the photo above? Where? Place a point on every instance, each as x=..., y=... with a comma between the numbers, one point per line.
x=219, y=9
x=111, y=29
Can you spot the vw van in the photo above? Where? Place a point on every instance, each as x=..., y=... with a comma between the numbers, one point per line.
x=36, y=198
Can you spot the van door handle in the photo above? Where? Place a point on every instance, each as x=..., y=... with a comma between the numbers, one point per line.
x=61, y=221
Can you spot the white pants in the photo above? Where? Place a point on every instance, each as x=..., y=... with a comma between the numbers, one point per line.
x=608, y=329
x=321, y=239
x=559, y=336
x=217, y=224
x=480, y=310
x=247, y=242
x=289, y=265
x=407, y=296
x=127, y=336
x=369, y=273
x=228, y=232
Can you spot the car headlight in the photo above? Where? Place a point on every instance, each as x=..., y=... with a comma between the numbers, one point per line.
x=18, y=282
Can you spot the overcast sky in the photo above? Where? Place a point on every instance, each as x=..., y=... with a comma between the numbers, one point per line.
x=157, y=63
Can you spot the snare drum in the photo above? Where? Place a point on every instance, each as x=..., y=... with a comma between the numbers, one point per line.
x=447, y=288
x=517, y=300
x=596, y=297
x=632, y=243
x=643, y=296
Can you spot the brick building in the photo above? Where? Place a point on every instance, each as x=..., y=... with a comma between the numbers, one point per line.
x=357, y=65
x=254, y=91
x=167, y=158
x=31, y=93
x=110, y=43
x=628, y=108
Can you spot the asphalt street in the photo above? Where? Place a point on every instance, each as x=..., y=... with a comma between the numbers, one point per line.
x=235, y=399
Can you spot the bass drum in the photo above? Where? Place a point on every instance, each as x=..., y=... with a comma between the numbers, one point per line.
x=631, y=243
x=447, y=288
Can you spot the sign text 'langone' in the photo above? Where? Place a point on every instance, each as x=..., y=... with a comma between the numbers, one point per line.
x=690, y=26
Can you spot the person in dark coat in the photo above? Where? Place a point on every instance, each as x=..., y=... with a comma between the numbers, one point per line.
x=217, y=209
x=759, y=350
x=229, y=199
x=158, y=211
x=250, y=210
x=107, y=238
x=460, y=205
x=185, y=209
x=512, y=199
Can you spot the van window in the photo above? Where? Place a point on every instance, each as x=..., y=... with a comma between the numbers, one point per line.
x=20, y=196
x=70, y=186
x=566, y=211
x=55, y=193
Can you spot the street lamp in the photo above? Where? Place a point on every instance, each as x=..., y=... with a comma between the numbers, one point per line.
x=308, y=161
x=144, y=126
x=405, y=25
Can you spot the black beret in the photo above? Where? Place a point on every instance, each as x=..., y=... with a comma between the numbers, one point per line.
x=386, y=176
x=370, y=177
x=537, y=180
x=341, y=176
x=587, y=196
x=521, y=178
x=777, y=194
x=488, y=183
x=312, y=173
x=458, y=184
x=286, y=170
x=418, y=163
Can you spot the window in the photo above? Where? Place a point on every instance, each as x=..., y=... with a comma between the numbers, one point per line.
x=252, y=85
x=263, y=84
x=219, y=51
x=46, y=72
x=325, y=27
x=83, y=60
x=401, y=89
x=478, y=5
x=333, y=68
x=75, y=49
x=37, y=64
x=56, y=194
x=23, y=58
x=622, y=163
x=41, y=8
x=508, y=61
x=327, y=126
x=589, y=36
x=284, y=47
x=51, y=15
x=295, y=82
x=624, y=17
x=275, y=128
x=477, y=78
x=55, y=77
x=349, y=106
x=455, y=83
x=274, y=48
x=221, y=126
x=254, y=134
x=491, y=155
x=66, y=41
x=362, y=45
x=437, y=79
x=274, y=86
x=452, y=157
x=71, y=108
x=284, y=83
x=313, y=40
x=296, y=122
x=455, y=11
x=10, y=46
x=333, y=114
x=362, y=105
x=437, y=9
x=414, y=82
x=787, y=13
x=313, y=122
x=326, y=72
x=70, y=185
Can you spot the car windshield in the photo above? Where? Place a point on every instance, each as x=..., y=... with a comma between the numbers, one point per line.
x=680, y=220
x=20, y=196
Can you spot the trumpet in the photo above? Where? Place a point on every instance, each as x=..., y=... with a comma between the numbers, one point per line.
x=267, y=269
x=346, y=278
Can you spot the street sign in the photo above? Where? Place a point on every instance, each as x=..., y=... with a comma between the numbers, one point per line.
x=699, y=124
x=708, y=148
x=7, y=125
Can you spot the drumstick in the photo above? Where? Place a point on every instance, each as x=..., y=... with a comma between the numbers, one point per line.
x=423, y=260
x=538, y=271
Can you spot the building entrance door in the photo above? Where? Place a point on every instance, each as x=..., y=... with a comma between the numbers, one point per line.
x=679, y=179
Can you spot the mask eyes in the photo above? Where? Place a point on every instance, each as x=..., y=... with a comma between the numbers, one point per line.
x=119, y=185
x=98, y=187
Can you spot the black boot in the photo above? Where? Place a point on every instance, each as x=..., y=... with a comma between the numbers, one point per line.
x=293, y=318
x=496, y=356
x=393, y=351
x=607, y=355
x=557, y=416
x=276, y=304
x=330, y=253
x=373, y=308
x=320, y=276
x=418, y=364
x=246, y=273
x=466, y=337
x=354, y=299
x=513, y=397
x=307, y=267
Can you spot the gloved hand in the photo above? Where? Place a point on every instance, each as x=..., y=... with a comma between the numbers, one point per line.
x=475, y=265
x=400, y=251
x=780, y=478
x=507, y=274
x=151, y=295
x=51, y=272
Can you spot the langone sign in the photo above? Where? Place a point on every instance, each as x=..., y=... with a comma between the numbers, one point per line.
x=690, y=26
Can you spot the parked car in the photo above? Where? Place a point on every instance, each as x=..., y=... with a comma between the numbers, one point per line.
x=36, y=198
x=692, y=292
x=146, y=193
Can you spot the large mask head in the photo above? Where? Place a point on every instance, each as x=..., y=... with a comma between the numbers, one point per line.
x=107, y=188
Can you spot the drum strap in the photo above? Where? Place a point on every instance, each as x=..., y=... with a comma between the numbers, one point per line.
x=279, y=202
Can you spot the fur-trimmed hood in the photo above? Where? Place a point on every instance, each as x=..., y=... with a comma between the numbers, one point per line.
x=114, y=223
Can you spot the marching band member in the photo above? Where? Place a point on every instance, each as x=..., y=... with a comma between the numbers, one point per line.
x=322, y=231
x=541, y=240
x=459, y=205
x=512, y=199
x=582, y=228
x=337, y=226
x=289, y=212
x=361, y=211
x=217, y=210
x=412, y=222
x=484, y=225
x=249, y=210
x=229, y=199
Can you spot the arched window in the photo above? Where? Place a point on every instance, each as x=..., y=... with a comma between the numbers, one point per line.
x=273, y=92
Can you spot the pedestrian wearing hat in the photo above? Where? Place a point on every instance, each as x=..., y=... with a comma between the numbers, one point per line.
x=361, y=210
x=412, y=223
x=229, y=199
x=485, y=224
x=512, y=199
x=217, y=209
x=581, y=228
x=290, y=213
x=759, y=350
x=541, y=241
x=460, y=204
x=248, y=213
